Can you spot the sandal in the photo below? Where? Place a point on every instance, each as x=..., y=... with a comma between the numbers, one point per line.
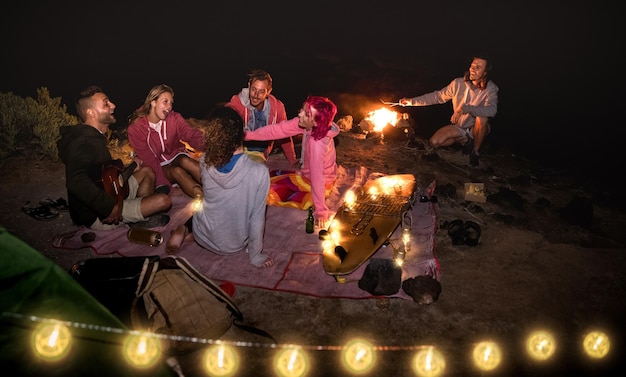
x=40, y=213
x=472, y=233
x=59, y=204
x=456, y=232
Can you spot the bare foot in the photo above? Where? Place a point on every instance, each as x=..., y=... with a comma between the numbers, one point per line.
x=269, y=262
x=177, y=237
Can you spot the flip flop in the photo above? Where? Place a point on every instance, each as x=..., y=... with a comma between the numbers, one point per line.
x=472, y=233
x=59, y=204
x=456, y=232
x=43, y=213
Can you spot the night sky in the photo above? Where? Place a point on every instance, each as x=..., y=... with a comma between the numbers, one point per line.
x=556, y=64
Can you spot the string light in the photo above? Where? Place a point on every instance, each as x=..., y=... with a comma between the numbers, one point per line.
x=487, y=355
x=540, y=345
x=142, y=350
x=429, y=362
x=196, y=203
x=291, y=362
x=51, y=340
x=221, y=360
x=596, y=344
x=358, y=356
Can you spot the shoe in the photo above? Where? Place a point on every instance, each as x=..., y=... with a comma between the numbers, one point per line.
x=152, y=221
x=472, y=233
x=43, y=212
x=59, y=204
x=473, y=159
x=468, y=147
x=456, y=232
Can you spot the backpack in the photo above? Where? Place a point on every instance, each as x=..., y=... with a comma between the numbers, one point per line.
x=165, y=296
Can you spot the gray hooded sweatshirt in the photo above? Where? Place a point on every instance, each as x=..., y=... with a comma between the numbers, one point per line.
x=232, y=218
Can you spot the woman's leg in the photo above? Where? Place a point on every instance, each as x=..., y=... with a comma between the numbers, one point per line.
x=185, y=172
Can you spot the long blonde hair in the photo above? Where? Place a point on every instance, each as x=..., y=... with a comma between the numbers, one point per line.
x=153, y=95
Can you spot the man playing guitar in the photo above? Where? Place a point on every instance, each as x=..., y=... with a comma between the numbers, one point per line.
x=83, y=149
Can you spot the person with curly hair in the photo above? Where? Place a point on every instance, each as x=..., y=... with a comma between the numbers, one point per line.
x=233, y=193
x=161, y=137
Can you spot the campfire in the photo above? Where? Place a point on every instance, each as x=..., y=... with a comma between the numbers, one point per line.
x=376, y=121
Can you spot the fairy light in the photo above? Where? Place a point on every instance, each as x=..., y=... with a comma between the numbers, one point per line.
x=51, y=341
x=429, y=362
x=142, y=350
x=373, y=193
x=596, y=344
x=540, y=345
x=350, y=199
x=335, y=237
x=196, y=204
x=291, y=362
x=487, y=355
x=358, y=356
x=221, y=360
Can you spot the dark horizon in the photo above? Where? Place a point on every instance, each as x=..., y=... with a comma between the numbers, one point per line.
x=559, y=81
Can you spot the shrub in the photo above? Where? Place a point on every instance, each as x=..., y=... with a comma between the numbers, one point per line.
x=29, y=124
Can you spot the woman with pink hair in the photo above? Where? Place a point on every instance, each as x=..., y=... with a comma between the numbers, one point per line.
x=310, y=185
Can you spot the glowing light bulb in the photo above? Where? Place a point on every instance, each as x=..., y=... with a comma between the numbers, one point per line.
x=540, y=345
x=221, y=360
x=291, y=362
x=596, y=344
x=51, y=341
x=373, y=192
x=350, y=199
x=328, y=246
x=335, y=236
x=358, y=356
x=196, y=204
x=142, y=350
x=428, y=363
x=406, y=239
x=487, y=355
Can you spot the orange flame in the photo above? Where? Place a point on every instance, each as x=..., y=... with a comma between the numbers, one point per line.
x=381, y=118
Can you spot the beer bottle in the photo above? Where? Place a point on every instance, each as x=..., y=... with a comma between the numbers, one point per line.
x=310, y=221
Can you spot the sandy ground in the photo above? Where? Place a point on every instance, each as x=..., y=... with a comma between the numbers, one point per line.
x=542, y=263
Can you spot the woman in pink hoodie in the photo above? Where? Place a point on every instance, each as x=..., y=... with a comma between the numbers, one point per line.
x=158, y=136
x=310, y=185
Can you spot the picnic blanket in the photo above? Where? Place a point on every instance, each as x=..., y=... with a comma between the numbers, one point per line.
x=298, y=264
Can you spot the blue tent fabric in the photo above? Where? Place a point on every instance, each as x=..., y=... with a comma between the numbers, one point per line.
x=34, y=287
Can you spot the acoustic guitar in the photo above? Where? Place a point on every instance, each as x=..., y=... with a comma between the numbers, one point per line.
x=115, y=178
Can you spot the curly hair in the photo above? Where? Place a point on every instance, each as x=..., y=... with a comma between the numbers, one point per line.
x=223, y=135
x=153, y=95
x=326, y=111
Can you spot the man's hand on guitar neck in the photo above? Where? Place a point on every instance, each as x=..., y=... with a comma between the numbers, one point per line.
x=115, y=217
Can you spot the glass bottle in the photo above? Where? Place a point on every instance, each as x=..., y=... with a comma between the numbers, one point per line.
x=310, y=221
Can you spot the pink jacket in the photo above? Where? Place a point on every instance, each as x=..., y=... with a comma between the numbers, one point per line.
x=319, y=157
x=277, y=114
x=155, y=148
